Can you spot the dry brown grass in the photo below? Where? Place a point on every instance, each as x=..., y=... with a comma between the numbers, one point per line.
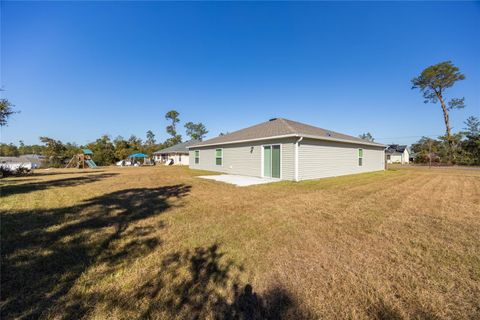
x=161, y=243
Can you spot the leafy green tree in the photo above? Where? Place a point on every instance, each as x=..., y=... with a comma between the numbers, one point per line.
x=367, y=136
x=196, y=130
x=9, y=150
x=122, y=148
x=103, y=151
x=71, y=149
x=432, y=82
x=30, y=149
x=6, y=111
x=54, y=151
x=172, y=116
x=173, y=141
x=150, y=138
x=452, y=151
x=150, y=144
x=427, y=148
x=473, y=126
x=135, y=143
x=472, y=142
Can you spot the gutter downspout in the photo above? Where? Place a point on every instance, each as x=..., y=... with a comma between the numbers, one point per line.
x=296, y=158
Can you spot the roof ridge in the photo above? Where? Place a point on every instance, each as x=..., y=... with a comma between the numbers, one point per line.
x=281, y=127
x=326, y=130
x=285, y=121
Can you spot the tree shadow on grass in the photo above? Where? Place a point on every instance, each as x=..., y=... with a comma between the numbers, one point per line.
x=42, y=172
x=45, y=252
x=17, y=180
x=382, y=310
x=14, y=189
x=201, y=284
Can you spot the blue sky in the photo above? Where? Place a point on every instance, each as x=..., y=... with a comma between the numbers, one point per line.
x=79, y=70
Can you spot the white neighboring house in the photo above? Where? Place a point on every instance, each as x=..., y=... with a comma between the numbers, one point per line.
x=14, y=163
x=174, y=155
x=397, y=154
x=29, y=161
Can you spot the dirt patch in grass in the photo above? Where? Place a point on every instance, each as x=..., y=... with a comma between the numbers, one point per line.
x=158, y=242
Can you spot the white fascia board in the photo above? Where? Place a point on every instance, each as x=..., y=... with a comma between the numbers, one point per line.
x=241, y=141
x=290, y=136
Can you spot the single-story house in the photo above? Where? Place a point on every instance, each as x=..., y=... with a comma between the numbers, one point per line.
x=29, y=161
x=287, y=150
x=177, y=154
x=397, y=154
x=38, y=161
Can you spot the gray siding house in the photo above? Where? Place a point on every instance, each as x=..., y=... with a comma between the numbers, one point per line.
x=287, y=150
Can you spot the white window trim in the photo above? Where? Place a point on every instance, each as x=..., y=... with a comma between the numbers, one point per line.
x=281, y=161
x=220, y=165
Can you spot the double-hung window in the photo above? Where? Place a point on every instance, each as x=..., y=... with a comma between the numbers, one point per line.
x=197, y=156
x=360, y=157
x=219, y=157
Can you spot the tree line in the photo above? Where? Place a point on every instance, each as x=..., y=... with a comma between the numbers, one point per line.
x=106, y=150
x=462, y=147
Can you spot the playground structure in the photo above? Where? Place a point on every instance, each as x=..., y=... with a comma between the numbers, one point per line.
x=82, y=160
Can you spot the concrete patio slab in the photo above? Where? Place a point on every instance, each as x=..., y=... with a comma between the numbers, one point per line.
x=238, y=180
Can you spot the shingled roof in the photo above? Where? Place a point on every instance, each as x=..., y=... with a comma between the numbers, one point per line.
x=395, y=148
x=178, y=148
x=280, y=128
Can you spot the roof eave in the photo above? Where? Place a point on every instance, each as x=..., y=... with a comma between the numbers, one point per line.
x=374, y=144
x=244, y=140
x=165, y=152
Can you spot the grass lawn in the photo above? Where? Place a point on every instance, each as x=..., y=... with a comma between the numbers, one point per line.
x=158, y=242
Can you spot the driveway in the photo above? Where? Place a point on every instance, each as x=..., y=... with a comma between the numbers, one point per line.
x=241, y=181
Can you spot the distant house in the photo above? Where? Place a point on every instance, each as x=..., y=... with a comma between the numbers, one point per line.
x=177, y=154
x=397, y=154
x=37, y=160
x=287, y=150
x=29, y=161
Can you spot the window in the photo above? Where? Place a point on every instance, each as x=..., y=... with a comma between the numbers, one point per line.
x=360, y=157
x=219, y=157
x=388, y=157
x=197, y=156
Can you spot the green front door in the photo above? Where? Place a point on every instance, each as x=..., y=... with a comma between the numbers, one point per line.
x=271, y=161
x=276, y=161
